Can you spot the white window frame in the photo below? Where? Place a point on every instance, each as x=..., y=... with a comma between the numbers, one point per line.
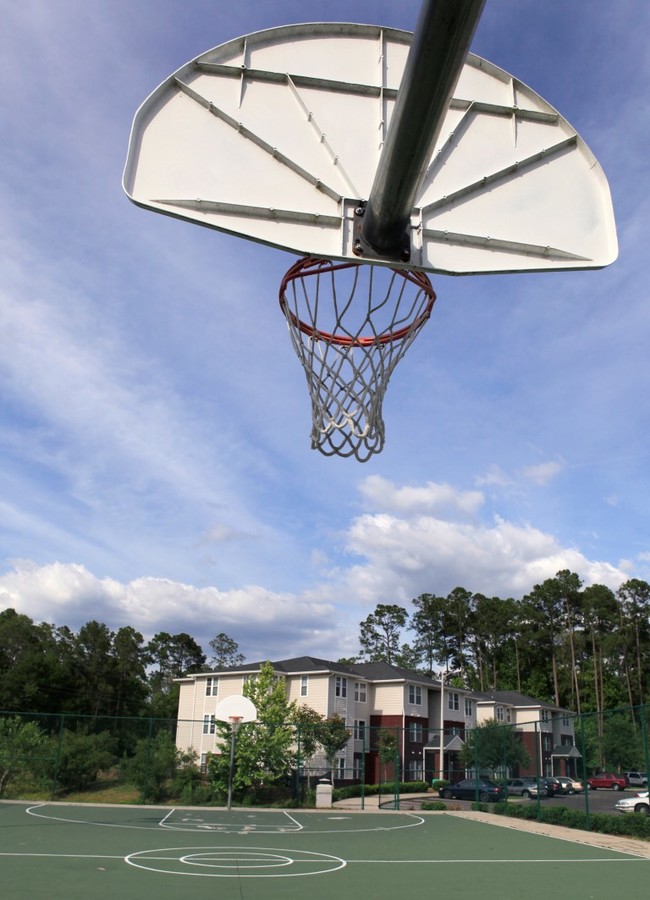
x=415, y=695
x=469, y=711
x=340, y=686
x=304, y=685
x=416, y=732
x=500, y=714
x=453, y=700
x=359, y=729
x=360, y=692
x=209, y=725
x=211, y=686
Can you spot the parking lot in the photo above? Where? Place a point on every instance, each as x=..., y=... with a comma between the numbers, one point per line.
x=599, y=801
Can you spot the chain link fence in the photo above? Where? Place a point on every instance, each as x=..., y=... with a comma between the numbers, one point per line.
x=117, y=759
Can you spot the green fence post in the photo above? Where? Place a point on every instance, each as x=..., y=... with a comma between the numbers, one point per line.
x=363, y=769
x=584, y=769
x=57, y=759
x=145, y=780
x=538, y=771
x=397, y=776
x=644, y=738
x=298, y=798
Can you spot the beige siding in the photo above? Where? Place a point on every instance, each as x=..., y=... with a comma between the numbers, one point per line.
x=317, y=692
x=389, y=699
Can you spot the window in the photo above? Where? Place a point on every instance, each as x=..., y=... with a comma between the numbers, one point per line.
x=340, y=686
x=500, y=715
x=547, y=743
x=211, y=686
x=304, y=685
x=208, y=724
x=415, y=694
x=565, y=720
x=508, y=714
x=415, y=770
x=359, y=729
x=339, y=769
x=545, y=715
x=204, y=764
x=359, y=691
x=416, y=732
x=453, y=700
x=357, y=766
x=468, y=708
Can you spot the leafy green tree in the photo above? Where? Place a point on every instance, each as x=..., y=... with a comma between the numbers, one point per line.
x=264, y=753
x=634, y=599
x=380, y=632
x=308, y=724
x=427, y=623
x=170, y=656
x=23, y=750
x=387, y=750
x=333, y=737
x=79, y=756
x=494, y=746
x=26, y=663
x=226, y=652
x=155, y=766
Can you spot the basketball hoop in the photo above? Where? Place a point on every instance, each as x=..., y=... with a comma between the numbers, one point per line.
x=350, y=324
x=235, y=722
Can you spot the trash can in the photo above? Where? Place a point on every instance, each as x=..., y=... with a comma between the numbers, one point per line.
x=323, y=795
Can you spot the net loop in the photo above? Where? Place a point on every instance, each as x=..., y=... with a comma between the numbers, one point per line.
x=350, y=324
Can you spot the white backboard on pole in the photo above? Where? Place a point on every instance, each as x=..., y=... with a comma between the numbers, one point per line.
x=276, y=136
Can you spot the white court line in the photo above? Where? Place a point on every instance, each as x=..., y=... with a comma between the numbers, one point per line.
x=510, y=862
x=64, y=855
x=163, y=820
x=299, y=827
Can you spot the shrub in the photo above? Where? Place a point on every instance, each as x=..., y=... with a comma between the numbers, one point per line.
x=434, y=806
x=438, y=784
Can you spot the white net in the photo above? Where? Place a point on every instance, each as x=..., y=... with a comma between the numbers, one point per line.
x=350, y=325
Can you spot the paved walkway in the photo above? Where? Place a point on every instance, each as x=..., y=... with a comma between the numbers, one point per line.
x=608, y=841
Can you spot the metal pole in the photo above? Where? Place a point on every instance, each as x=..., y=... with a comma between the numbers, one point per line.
x=231, y=768
x=440, y=44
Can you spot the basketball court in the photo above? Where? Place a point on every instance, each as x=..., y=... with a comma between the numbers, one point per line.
x=67, y=851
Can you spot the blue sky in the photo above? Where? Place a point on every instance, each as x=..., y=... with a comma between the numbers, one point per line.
x=154, y=426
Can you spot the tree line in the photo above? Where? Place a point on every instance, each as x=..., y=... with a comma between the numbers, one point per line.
x=96, y=671
x=583, y=648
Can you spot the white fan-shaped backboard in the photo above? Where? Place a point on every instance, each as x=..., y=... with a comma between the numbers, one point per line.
x=236, y=706
x=276, y=137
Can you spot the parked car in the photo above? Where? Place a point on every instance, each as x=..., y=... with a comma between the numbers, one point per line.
x=636, y=779
x=638, y=804
x=526, y=787
x=607, y=780
x=553, y=786
x=570, y=785
x=488, y=791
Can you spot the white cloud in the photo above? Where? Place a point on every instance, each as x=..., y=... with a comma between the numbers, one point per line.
x=268, y=623
x=430, y=498
x=542, y=473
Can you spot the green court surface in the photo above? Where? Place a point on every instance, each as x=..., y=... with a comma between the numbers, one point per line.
x=81, y=852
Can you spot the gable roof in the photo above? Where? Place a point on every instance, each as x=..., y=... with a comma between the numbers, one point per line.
x=512, y=698
x=299, y=665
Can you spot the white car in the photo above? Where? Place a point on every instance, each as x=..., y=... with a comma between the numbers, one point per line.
x=638, y=804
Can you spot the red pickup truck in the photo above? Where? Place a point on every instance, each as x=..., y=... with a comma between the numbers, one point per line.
x=608, y=780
